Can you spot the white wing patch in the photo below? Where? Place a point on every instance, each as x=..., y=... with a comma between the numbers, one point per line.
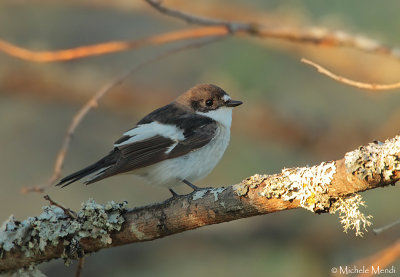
x=171, y=148
x=145, y=131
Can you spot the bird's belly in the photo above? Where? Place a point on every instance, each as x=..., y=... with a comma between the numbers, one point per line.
x=192, y=166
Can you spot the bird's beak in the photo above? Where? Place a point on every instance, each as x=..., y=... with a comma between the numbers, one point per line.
x=233, y=103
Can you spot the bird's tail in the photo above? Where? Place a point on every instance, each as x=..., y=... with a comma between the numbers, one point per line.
x=95, y=171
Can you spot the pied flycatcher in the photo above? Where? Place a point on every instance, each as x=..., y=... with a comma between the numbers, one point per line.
x=180, y=142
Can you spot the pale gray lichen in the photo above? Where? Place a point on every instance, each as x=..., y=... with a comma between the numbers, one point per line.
x=201, y=193
x=216, y=191
x=255, y=180
x=350, y=214
x=307, y=184
x=53, y=226
x=31, y=271
x=250, y=182
x=375, y=159
x=310, y=186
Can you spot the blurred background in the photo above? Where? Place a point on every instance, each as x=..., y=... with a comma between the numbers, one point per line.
x=292, y=116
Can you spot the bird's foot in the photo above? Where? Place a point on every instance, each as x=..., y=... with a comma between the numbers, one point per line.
x=195, y=188
x=174, y=194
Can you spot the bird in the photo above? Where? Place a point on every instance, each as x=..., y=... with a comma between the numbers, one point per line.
x=180, y=142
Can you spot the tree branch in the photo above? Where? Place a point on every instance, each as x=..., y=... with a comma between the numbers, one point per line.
x=109, y=47
x=349, y=82
x=328, y=187
x=318, y=36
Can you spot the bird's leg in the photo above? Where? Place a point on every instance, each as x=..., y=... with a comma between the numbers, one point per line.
x=190, y=185
x=174, y=194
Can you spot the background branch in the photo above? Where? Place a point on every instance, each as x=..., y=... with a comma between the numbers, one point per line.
x=109, y=47
x=380, y=260
x=322, y=188
x=213, y=27
x=386, y=227
x=190, y=18
x=349, y=82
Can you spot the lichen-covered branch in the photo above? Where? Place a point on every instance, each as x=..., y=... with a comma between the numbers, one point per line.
x=328, y=187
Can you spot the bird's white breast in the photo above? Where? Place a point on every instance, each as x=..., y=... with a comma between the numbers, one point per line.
x=192, y=166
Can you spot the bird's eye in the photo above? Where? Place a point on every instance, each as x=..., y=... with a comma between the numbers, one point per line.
x=209, y=102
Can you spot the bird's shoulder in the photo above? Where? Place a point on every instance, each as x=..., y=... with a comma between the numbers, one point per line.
x=179, y=116
x=171, y=121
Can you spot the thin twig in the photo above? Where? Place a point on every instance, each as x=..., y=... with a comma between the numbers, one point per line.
x=232, y=26
x=349, y=82
x=190, y=18
x=377, y=231
x=79, y=267
x=93, y=102
x=68, y=212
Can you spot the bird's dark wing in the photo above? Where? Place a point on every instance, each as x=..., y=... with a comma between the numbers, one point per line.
x=197, y=131
x=194, y=140
x=138, y=154
x=122, y=159
x=156, y=149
